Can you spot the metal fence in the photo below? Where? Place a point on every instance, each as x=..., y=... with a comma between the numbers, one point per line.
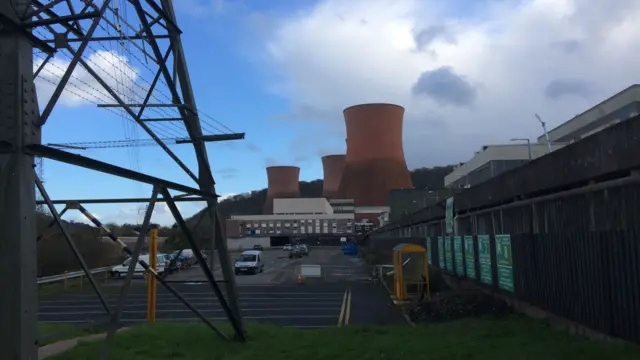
x=574, y=253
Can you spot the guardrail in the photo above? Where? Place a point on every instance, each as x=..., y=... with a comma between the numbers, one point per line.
x=70, y=275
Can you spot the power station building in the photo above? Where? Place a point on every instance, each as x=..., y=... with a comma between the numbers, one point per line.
x=355, y=190
x=292, y=218
x=283, y=183
x=375, y=162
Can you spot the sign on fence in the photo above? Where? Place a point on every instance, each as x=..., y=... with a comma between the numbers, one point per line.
x=505, y=262
x=457, y=250
x=429, y=250
x=469, y=254
x=440, y=252
x=448, y=254
x=449, y=216
x=484, y=256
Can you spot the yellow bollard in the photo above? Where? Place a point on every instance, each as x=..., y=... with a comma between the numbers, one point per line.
x=151, y=285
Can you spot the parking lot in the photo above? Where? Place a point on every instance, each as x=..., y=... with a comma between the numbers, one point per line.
x=274, y=261
x=343, y=293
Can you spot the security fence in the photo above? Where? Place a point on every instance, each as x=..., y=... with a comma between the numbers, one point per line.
x=574, y=253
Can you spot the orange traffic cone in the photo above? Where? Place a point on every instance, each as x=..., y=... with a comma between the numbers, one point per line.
x=299, y=279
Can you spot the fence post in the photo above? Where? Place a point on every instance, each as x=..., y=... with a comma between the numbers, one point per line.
x=81, y=280
x=151, y=284
x=65, y=280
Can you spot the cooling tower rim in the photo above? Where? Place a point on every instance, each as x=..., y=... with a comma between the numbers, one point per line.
x=372, y=104
x=333, y=156
x=283, y=167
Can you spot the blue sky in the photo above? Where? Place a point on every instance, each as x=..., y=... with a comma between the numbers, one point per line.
x=229, y=85
x=282, y=71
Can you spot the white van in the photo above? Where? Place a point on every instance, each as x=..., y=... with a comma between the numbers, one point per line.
x=121, y=270
x=250, y=261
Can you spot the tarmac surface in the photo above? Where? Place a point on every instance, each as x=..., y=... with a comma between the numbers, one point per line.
x=343, y=295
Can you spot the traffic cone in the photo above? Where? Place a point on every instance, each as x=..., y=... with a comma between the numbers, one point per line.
x=299, y=279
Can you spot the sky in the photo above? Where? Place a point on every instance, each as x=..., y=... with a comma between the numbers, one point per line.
x=468, y=73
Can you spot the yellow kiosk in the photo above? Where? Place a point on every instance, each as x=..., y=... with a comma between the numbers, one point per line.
x=413, y=272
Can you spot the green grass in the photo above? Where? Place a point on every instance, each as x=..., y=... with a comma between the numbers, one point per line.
x=507, y=338
x=49, y=333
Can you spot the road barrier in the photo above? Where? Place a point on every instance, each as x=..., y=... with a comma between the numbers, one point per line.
x=310, y=270
x=70, y=275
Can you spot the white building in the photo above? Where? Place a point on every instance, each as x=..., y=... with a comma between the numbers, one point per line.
x=493, y=160
x=293, y=217
x=621, y=106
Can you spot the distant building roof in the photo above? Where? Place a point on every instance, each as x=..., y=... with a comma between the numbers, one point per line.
x=620, y=106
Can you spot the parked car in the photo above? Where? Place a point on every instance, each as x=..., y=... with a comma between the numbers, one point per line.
x=185, y=257
x=257, y=247
x=295, y=253
x=122, y=269
x=286, y=247
x=304, y=250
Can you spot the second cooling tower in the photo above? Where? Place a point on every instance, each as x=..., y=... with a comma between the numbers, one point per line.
x=333, y=166
x=283, y=183
x=375, y=162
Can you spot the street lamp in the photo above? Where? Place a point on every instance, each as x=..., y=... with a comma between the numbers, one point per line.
x=528, y=144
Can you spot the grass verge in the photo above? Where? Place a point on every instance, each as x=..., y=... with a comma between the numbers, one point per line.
x=511, y=337
x=50, y=333
x=111, y=286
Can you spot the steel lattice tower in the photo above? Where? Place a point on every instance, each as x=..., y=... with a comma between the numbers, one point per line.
x=71, y=28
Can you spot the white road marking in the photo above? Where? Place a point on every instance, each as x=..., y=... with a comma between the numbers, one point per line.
x=195, y=319
x=205, y=293
x=186, y=311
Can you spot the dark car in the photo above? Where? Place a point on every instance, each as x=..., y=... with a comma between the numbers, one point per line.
x=257, y=247
x=295, y=253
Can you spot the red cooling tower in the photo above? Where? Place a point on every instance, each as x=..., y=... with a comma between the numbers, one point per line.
x=333, y=165
x=375, y=161
x=283, y=184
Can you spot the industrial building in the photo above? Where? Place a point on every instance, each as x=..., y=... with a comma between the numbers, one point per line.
x=493, y=160
x=291, y=219
x=406, y=201
x=355, y=190
x=375, y=161
x=283, y=183
x=343, y=206
x=620, y=107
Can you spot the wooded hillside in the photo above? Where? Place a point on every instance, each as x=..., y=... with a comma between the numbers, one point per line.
x=55, y=256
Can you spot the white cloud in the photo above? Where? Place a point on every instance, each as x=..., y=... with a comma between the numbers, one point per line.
x=82, y=87
x=511, y=58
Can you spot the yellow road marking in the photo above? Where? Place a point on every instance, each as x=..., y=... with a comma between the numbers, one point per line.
x=348, y=313
x=344, y=305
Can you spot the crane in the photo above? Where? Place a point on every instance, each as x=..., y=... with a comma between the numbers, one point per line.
x=142, y=142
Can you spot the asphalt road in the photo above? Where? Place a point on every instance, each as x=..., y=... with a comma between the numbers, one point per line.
x=344, y=295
